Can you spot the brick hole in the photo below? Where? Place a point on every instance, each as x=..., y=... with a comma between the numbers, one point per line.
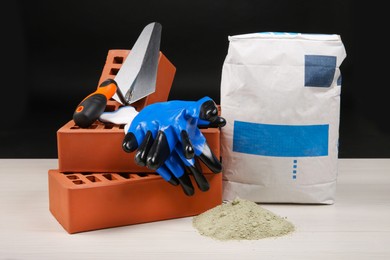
x=113, y=71
x=125, y=175
x=108, y=126
x=78, y=182
x=72, y=177
x=118, y=60
x=75, y=127
x=110, y=108
x=92, y=178
x=142, y=174
x=121, y=127
x=109, y=176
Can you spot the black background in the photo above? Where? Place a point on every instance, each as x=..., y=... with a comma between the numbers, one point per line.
x=55, y=51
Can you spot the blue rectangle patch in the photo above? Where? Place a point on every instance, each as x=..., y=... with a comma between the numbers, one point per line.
x=280, y=140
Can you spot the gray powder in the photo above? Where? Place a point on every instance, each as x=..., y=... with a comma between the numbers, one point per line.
x=241, y=220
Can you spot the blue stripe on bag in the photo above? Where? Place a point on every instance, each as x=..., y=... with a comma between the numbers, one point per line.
x=280, y=140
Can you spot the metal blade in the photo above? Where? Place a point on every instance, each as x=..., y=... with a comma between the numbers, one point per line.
x=137, y=76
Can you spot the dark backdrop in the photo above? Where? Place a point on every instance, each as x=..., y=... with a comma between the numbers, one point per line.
x=55, y=51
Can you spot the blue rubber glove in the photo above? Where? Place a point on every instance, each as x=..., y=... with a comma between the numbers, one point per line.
x=167, y=138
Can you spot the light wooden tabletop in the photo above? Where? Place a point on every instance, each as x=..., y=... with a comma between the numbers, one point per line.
x=357, y=226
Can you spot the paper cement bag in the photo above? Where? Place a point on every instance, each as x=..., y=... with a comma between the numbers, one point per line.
x=280, y=95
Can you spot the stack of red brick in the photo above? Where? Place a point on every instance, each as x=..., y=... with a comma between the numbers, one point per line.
x=98, y=185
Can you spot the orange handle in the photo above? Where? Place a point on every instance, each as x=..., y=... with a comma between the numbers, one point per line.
x=91, y=107
x=107, y=88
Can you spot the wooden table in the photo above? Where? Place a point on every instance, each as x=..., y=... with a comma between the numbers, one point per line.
x=357, y=226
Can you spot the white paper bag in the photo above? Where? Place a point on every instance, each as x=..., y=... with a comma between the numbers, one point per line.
x=280, y=95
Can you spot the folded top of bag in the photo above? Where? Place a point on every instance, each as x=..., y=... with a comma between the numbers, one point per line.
x=287, y=35
x=282, y=48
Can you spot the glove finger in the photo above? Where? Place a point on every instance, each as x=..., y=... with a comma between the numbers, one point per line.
x=188, y=149
x=194, y=168
x=185, y=183
x=208, y=115
x=143, y=150
x=217, y=122
x=129, y=143
x=209, y=159
x=159, y=152
x=205, y=154
x=132, y=139
x=208, y=111
x=175, y=166
x=200, y=179
x=167, y=175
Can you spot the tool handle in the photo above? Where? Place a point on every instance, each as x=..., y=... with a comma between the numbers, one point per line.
x=91, y=107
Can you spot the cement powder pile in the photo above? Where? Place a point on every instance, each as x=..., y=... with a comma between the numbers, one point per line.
x=241, y=220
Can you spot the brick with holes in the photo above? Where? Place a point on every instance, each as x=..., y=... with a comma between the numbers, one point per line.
x=97, y=185
x=90, y=201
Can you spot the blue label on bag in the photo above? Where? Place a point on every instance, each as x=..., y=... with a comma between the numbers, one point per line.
x=319, y=70
x=280, y=140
